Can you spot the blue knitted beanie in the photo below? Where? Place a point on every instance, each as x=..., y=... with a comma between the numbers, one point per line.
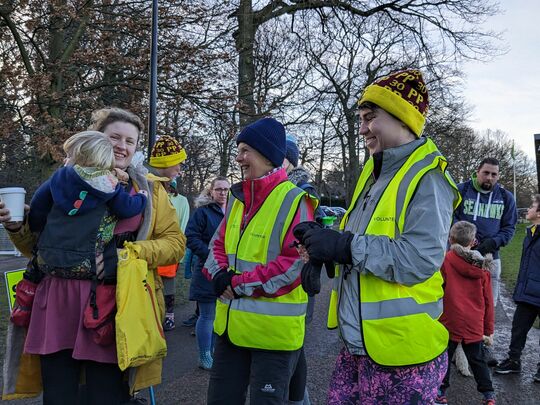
x=292, y=150
x=266, y=136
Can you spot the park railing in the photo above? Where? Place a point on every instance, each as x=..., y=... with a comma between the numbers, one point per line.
x=6, y=247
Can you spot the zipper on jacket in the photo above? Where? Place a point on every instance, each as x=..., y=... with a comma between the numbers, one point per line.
x=340, y=294
x=367, y=197
x=243, y=227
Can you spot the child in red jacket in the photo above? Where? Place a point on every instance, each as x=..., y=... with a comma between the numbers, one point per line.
x=468, y=307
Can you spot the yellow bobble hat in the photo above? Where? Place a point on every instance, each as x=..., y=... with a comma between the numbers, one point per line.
x=167, y=152
x=402, y=94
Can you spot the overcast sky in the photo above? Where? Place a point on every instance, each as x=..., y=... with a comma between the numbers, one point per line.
x=505, y=93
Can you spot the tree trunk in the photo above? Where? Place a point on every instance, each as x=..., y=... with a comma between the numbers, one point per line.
x=245, y=39
x=56, y=44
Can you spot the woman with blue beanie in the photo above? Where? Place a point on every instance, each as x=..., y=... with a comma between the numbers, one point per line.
x=255, y=272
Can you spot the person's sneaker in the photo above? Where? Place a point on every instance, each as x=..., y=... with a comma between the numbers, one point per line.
x=168, y=325
x=489, y=398
x=508, y=366
x=492, y=362
x=191, y=321
x=536, y=377
x=441, y=398
x=206, y=361
x=135, y=400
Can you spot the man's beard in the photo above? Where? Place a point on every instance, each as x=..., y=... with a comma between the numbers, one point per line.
x=486, y=186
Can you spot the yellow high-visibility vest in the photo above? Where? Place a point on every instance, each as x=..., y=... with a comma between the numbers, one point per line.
x=263, y=323
x=399, y=323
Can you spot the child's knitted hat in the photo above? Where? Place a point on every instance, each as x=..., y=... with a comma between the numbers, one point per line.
x=267, y=136
x=167, y=152
x=402, y=94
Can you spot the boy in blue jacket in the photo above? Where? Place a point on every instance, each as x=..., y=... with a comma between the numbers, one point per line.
x=526, y=294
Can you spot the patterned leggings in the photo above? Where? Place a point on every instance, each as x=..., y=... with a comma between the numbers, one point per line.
x=358, y=380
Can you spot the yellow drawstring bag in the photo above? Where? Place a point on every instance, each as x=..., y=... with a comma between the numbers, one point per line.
x=139, y=334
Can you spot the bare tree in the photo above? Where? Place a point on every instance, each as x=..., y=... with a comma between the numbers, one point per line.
x=455, y=24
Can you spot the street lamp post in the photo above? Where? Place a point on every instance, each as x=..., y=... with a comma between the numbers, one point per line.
x=152, y=124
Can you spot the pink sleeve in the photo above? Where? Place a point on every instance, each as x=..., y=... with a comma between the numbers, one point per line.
x=279, y=276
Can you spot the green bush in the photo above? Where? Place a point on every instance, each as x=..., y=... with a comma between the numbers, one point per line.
x=511, y=256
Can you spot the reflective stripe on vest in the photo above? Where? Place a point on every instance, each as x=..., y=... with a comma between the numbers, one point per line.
x=263, y=323
x=399, y=323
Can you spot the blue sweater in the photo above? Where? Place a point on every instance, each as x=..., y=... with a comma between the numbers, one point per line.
x=493, y=213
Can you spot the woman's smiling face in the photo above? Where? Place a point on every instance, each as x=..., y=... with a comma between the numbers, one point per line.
x=381, y=130
x=124, y=137
x=252, y=163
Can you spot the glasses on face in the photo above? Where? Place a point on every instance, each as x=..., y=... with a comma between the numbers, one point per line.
x=221, y=190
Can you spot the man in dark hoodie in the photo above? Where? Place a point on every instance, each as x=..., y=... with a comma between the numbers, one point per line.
x=492, y=209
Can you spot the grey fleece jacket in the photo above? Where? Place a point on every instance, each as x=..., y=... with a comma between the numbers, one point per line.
x=412, y=257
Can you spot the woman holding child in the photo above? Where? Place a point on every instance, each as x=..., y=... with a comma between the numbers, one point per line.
x=68, y=349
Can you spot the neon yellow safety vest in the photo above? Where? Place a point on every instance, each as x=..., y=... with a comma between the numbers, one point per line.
x=399, y=323
x=263, y=323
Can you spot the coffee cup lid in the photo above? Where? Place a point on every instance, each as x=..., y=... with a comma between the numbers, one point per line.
x=7, y=190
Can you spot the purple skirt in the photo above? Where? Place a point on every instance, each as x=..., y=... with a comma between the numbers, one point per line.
x=56, y=322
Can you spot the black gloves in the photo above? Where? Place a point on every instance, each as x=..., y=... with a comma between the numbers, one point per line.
x=487, y=246
x=221, y=281
x=311, y=278
x=324, y=245
x=299, y=233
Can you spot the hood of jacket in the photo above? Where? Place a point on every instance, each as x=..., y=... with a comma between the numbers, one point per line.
x=299, y=176
x=474, y=258
x=203, y=200
x=69, y=191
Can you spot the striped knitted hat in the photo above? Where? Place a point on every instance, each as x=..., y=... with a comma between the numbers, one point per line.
x=167, y=152
x=402, y=94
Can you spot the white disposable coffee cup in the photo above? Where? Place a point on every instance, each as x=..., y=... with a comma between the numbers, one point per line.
x=13, y=199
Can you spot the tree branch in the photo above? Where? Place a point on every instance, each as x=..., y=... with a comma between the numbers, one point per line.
x=22, y=49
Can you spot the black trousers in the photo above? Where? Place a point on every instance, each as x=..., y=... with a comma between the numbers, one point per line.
x=297, y=385
x=61, y=378
x=266, y=372
x=479, y=367
x=522, y=323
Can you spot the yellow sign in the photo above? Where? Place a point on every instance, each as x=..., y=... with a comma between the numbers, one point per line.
x=12, y=278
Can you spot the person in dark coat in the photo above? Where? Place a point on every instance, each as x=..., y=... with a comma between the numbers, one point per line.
x=526, y=294
x=199, y=231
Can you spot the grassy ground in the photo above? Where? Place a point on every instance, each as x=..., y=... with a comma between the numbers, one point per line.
x=510, y=257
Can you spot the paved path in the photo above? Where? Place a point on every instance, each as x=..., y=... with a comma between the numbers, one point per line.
x=185, y=383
